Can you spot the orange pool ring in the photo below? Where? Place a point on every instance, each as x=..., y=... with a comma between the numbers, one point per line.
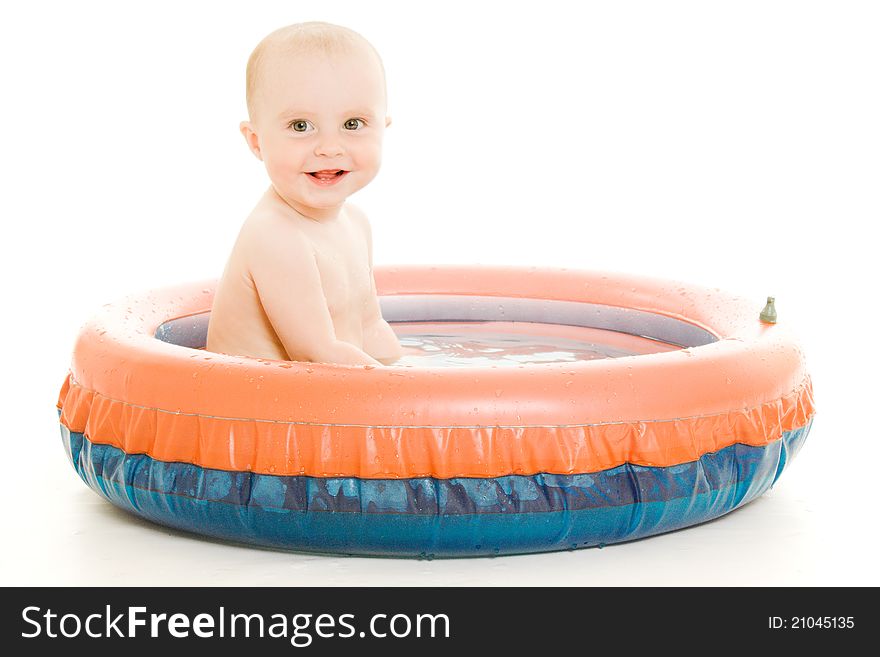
x=445, y=461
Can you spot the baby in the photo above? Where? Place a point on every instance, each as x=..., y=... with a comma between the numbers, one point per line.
x=299, y=283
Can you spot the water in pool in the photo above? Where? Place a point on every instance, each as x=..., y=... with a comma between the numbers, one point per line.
x=510, y=344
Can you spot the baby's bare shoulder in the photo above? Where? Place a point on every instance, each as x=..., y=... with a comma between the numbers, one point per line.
x=356, y=213
x=267, y=230
x=359, y=218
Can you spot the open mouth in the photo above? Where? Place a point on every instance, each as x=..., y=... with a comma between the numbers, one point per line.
x=327, y=176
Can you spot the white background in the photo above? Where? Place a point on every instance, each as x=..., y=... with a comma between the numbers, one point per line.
x=731, y=145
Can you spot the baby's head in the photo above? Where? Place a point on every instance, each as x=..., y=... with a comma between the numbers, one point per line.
x=317, y=113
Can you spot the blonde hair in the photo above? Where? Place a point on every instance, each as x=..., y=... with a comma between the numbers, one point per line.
x=299, y=39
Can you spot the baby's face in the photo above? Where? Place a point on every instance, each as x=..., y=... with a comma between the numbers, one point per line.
x=319, y=125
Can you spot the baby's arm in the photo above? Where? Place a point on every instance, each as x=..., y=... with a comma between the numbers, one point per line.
x=380, y=341
x=288, y=282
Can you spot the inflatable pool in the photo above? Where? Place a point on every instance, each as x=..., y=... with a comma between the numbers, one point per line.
x=651, y=406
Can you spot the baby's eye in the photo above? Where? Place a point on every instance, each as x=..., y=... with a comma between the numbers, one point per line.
x=354, y=124
x=300, y=125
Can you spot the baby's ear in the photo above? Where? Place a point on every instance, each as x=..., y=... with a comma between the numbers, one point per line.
x=387, y=121
x=252, y=138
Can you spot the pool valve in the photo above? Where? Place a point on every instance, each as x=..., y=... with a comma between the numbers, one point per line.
x=768, y=315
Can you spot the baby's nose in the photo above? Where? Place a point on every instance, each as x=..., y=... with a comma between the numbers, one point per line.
x=328, y=146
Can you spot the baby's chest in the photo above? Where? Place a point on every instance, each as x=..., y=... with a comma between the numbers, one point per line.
x=345, y=277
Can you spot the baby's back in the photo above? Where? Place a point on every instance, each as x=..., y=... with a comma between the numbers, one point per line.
x=239, y=325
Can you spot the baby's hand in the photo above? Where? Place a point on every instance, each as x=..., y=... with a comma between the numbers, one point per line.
x=404, y=351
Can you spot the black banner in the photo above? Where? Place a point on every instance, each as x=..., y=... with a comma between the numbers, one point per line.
x=432, y=620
